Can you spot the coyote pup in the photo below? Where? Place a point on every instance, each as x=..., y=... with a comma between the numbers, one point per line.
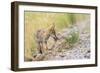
x=42, y=37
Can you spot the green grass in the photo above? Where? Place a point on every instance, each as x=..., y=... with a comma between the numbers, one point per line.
x=72, y=38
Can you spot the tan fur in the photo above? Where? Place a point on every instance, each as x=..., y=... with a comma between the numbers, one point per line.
x=42, y=37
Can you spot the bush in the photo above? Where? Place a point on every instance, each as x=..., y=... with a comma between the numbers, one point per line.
x=72, y=38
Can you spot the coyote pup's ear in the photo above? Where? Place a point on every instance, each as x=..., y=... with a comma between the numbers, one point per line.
x=52, y=26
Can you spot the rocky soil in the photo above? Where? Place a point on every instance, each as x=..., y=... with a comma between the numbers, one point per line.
x=60, y=50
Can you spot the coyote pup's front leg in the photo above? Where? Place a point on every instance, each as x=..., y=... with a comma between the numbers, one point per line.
x=42, y=37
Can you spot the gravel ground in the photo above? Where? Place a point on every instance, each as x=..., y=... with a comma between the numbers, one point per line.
x=60, y=50
x=81, y=50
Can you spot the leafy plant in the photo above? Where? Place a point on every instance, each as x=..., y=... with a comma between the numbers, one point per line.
x=72, y=38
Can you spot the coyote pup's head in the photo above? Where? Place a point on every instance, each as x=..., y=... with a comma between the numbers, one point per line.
x=52, y=31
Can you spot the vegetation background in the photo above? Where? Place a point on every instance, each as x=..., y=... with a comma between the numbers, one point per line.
x=42, y=20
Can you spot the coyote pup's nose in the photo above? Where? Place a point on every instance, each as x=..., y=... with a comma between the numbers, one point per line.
x=56, y=38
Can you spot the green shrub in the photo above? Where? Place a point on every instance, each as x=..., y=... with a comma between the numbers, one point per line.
x=72, y=38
